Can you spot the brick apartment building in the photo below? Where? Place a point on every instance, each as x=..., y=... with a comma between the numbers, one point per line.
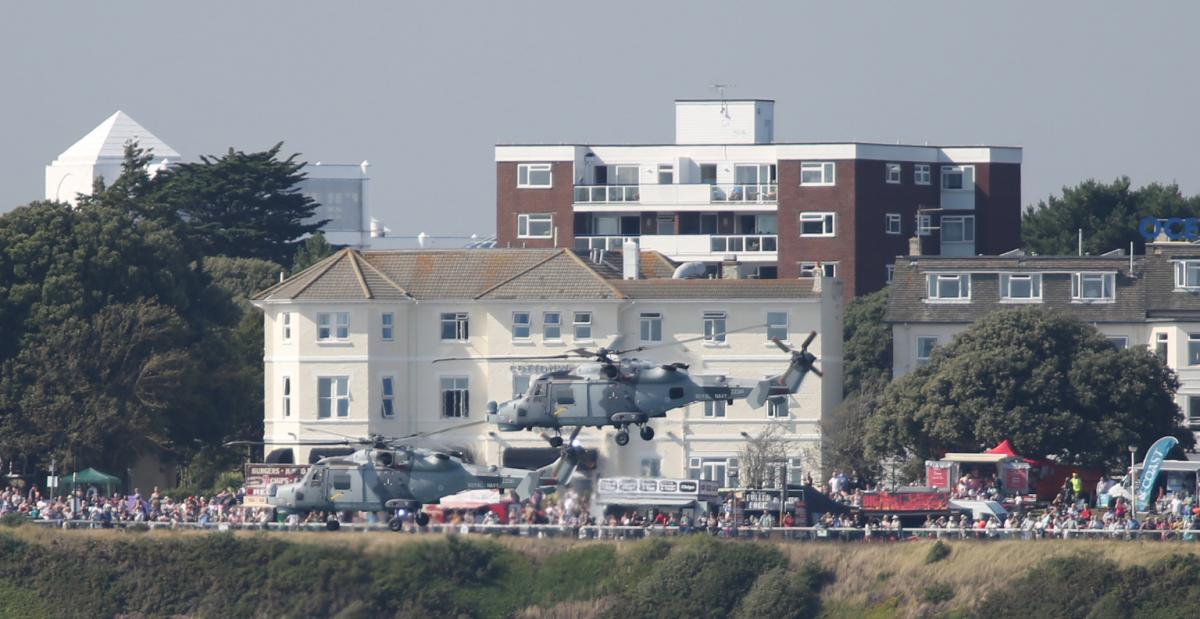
x=725, y=194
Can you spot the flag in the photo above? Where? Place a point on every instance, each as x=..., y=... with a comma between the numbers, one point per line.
x=1150, y=467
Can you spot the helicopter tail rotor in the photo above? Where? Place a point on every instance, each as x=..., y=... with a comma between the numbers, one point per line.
x=789, y=382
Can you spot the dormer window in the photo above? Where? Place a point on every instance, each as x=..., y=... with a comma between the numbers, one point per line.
x=944, y=287
x=1021, y=286
x=1093, y=287
x=1187, y=274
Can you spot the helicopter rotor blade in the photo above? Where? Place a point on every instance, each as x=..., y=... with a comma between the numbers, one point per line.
x=417, y=435
x=566, y=355
x=782, y=346
x=808, y=340
x=348, y=439
x=683, y=341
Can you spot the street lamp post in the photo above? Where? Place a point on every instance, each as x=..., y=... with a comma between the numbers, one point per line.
x=1133, y=477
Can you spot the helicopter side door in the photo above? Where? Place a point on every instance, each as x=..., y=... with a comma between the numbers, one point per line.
x=607, y=398
x=344, y=487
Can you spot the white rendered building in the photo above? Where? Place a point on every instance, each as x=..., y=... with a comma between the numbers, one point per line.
x=350, y=342
x=99, y=154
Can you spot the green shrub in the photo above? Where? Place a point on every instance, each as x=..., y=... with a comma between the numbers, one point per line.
x=577, y=573
x=13, y=519
x=937, y=593
x=937, y=552
x=778, y=593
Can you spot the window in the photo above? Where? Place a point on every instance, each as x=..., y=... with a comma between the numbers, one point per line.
x=892, y=224
x=816, y=173
x=1120, y=342
x=714, y=408
x=333, y=395
x=333, y=326
x=388, y=403
x=285, y=319
x=958, y=177
x=535, y=226
x=1161, y=340
x=1092, y=287
x=816, y=224
x=552, y=326
x=708, y=174
x=1016, y=287
x=455, y=396
x=945, y=287
x=892, y=171
x=455, y=326
x=287, y=396
x=520, y=385
x=925, y=346
x=520, y=328
x=889, y=272
x=714, y=470
x=651, y=467
x=777, y=326
x=651, y=330
x=1187, y=274
x=666, y=174
x=583, y=325
x=1194, y=349
x=924, y=225
x=665, y=224
x=386, y=323
x=1193, y=410
x=341, y=480
x=810, y=269
x=714, y=327
x=958, y=229
x=626, y=174
x=777, y=407
x=533, y=175
x=921, y=174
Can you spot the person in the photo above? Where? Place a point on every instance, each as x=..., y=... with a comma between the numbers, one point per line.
x=1076, y=487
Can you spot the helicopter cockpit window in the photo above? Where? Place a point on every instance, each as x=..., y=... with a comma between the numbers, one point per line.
x=676, y=393
x=562, y=394
x=384, y=458
x=539, y=389
x=401, y=460
x=316, y=477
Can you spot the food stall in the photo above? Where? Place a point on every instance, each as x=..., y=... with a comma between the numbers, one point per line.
x=616, y=495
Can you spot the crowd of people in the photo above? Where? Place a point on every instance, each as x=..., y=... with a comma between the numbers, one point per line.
x=96, y=507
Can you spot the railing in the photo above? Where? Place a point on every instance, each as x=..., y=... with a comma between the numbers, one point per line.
x=735, y=243
x=759, y=193
x=606, y=193
x=610, y=243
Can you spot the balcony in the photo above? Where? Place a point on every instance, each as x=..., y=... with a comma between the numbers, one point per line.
x=685, y=247
x=697, y=197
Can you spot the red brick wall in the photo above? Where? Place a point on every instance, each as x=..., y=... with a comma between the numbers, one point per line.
x=876, y=198
x=511, y=201
x=997, y=207
x=839, y=199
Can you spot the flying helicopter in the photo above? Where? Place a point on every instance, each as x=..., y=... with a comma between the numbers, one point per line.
x=390, y=474
x=619, y=391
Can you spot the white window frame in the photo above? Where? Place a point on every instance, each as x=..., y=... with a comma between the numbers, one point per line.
x=333, y=326
x=646, y=323
x=827, y=220
x=548, y=324
x=809, y=269
x=1162, y=346
x=517, y=324
x=714, y=319
x=892, y=173
x=1114, y=339
x=889, y=271
x=286, y=396
x=1108, y=288
x=1035, y=287
x=525, y=219
x=965, y=172
x=922, y=174
x=341, y=326
x=665, y=168
x=778, y=407
x=785, y=325
x=714, y=409
x=1193, y=415
x=924, y=225
x=1193, y=350
x=893, y=223
x=324, y=327
x=285, y=321
x=961, y=220
x=462, y=326
x=577, y=325
x=1183, y=268
x=387, y=401
x=933, y=287
x=929, y=354
x=461, y=402
x=826, y=169
x=387, y=326
x=524, y=170
x=332, y=406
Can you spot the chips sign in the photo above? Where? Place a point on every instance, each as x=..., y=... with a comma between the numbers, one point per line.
x=259, y=476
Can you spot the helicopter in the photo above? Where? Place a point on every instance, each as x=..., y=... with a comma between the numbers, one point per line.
x=391, y=474
x=613, y=390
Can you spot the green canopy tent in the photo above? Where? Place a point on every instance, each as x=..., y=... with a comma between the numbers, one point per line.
x=88, y=477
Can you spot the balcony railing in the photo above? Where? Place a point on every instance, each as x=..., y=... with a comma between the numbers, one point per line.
x=603, y=194
x=610, y=243
x=761, y=194
x=738, y=243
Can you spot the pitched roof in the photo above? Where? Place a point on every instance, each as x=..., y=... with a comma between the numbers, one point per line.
x=107, y=141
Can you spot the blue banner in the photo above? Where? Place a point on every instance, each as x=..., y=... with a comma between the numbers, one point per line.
x=1150, y=467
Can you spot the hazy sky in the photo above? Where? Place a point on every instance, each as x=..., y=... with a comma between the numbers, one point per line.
x=423, y=91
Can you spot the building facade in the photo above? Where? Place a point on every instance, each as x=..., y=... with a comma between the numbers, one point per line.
x=1151, y=300
x=350, y=345
x=726, y=192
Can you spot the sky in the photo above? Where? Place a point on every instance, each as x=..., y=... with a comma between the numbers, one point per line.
x=424, y=90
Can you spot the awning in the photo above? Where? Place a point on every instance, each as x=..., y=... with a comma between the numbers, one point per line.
x=473, y=499
x=649, y=501
x=983, y=457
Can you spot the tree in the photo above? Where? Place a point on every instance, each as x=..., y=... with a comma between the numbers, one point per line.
x=242, y=204
x=762, y=457
x=313, y=250
x=1108, y=214
x=1051, y=384
x=867, y=347
x=242, y=278
x=843, y=434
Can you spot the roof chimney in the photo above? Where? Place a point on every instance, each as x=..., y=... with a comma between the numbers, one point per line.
x=914, y=246
x=631, y=255
x=729, y=269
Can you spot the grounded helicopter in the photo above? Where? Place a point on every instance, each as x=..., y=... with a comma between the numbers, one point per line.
x=388, y=474
x=624, y=392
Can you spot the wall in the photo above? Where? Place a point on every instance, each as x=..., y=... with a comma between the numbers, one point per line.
x=557, y=199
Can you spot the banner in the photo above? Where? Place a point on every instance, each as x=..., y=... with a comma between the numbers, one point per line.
x=937, y=474
x=1150, y=467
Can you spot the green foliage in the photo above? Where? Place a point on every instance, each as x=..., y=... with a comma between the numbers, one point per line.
x=936, y=593
x=867, y=347
x=938, y=551
x=242, y=278
x=241, y=204
x=13, y=519
x=1108, y=213
x=577, y=573
x=844, y=433
x=311, y=251
x=20, y=603
x=1050, y=383
x=778, y=593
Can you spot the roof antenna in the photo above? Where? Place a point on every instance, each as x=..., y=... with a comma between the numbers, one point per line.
x=720, y=89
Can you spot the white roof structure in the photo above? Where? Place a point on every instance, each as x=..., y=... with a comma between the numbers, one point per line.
x=107, y=142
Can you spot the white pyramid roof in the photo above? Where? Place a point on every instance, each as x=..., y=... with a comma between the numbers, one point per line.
x=107, y=142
